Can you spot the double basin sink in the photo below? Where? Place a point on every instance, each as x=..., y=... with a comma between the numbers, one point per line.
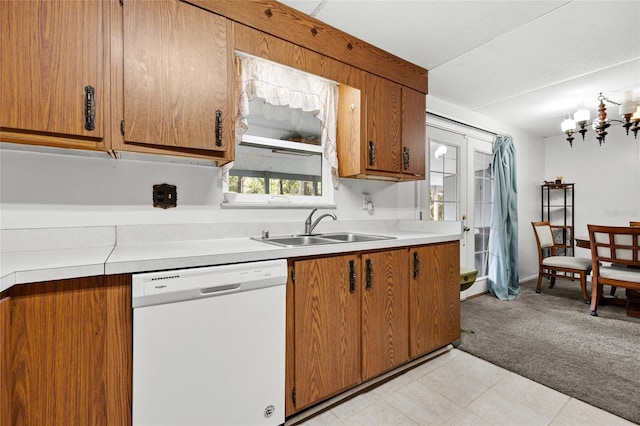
x=317, y=239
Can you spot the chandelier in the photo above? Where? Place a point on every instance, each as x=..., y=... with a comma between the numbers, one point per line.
x=629, y=110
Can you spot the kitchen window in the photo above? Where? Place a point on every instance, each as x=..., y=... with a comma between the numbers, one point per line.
x=285, y=136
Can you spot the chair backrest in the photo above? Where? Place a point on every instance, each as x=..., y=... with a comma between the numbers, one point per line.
x=544, y=236
x=616, y=244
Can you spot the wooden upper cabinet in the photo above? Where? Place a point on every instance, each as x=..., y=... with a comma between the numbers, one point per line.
x=52, y=67
x=385, y=311
x=381, y=132
x=383, y=115
x=414, y=136
x=327, y=328
x=178, y=79
x=434, y=297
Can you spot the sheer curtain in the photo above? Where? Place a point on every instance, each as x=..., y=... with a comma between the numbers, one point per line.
x=283, y=86
x=503, y=239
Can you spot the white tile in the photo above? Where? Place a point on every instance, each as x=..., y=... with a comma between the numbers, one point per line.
x=354, y=405
x=421, y=404
x=325, y=419
x=454, y=385
x=380, y=413
x=476, y=369
x=578, y=413
x=466, y=418
x=539, y=398
x=497, y=409
x=434, y=363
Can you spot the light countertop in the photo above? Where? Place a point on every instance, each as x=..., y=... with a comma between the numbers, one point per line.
x=48, y=254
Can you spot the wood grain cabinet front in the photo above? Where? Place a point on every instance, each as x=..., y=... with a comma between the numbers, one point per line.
x=54, y=86
x=381, y=131
x=178, y=81
x=350, y=323
x=66, y=353
x=385, y=311
x=351, y=318
x=326, y=323
x=434, y=297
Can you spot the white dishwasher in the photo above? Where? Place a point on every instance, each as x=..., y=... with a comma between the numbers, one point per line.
x=209, y=345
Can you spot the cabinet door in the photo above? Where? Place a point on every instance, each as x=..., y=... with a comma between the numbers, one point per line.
x=176, y=77
x=383, y=99
x=327, y=327
x=434, y=297
x=385, y=311
x=414, y=136
x=51, y=51
x=70, y=352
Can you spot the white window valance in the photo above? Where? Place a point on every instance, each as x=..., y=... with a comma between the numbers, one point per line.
x=283, y=86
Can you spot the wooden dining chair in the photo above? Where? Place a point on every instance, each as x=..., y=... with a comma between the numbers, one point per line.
x=552, y=266
x=615, y=254
x=632, y=224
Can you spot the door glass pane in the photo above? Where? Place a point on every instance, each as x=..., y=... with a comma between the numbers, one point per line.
x=482, y=194
x=444, y=182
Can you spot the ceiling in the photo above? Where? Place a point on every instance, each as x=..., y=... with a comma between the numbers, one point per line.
x=526, y=63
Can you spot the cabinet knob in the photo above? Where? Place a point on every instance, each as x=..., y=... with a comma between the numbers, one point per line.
x=368, y=274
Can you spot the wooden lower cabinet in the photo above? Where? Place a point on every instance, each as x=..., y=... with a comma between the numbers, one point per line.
x=385, y=311
x=326, y=355
x=353, y=317
x=434, y=301
x=66, y=352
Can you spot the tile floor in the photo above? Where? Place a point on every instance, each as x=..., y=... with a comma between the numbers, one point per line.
x=460, y=389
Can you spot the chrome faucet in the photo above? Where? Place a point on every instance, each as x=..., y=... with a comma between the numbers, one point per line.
x=308, y=226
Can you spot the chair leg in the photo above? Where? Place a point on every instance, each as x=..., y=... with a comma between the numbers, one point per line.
x=595, y=296
x=539, y=281
x=613, y=290
x=583, y=287
x=552, y=282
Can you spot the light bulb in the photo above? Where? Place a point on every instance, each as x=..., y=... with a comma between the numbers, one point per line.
x=582, y=116
x=568, y=125
x=627, y=108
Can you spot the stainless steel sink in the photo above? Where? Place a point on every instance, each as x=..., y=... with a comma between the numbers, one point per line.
x=311, y=240
x=348, y=237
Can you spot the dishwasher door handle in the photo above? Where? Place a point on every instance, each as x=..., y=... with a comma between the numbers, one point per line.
x=219, y=288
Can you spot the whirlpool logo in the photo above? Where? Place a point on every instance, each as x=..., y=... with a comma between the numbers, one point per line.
x=269, y=411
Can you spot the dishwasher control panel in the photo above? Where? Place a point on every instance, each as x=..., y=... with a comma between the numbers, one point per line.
x=185, y=284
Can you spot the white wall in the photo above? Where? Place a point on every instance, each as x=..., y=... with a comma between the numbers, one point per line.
x=39, y=190
x=607, y=177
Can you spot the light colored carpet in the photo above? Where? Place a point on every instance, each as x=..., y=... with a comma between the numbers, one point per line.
x=551, y=338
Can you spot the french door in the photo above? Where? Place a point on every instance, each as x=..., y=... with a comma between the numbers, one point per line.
x=460, y=188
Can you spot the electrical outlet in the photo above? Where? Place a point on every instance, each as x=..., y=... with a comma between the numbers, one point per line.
x=165, y=196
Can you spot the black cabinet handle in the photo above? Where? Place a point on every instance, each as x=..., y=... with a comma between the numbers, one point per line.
x=218, y=128
x=368, y=274
x=372, y=153
x=405, y=158
x=416, y=265
x=352, y=276
x=89, y=108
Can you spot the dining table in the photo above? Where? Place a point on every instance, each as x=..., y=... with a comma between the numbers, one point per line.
x=582, y=242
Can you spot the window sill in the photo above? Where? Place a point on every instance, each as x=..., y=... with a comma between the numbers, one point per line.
x=240, y=205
